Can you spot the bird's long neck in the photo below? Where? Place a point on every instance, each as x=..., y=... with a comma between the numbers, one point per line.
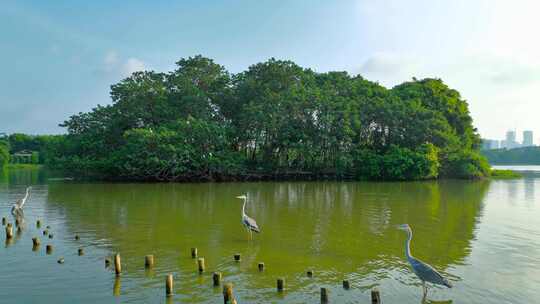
x=244, y=207
x=408, y=244
x=27, y=192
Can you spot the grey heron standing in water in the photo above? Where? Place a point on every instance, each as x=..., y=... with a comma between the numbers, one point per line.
x=17, y=208
x=248, y=222
x=423, y=271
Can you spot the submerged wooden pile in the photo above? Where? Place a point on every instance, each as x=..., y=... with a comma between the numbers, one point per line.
x=149, y=260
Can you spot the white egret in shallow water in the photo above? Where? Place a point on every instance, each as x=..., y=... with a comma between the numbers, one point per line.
x=17, y=208
x=248, y=222
x=423, y=271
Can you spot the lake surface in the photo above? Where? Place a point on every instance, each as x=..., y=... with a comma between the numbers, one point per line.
x=484, y=236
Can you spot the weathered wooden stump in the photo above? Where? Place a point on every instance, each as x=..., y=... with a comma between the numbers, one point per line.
x=216, y=278
x=261, y=266
x=117, y=264
x=149, y=261
x=9, y=231
x=48, y=249
x=237, y=257
x=169, y=285
x=324, y=295
x=228, y=296
x=346, y=284
x=193, y=252
x=200, y=262
x=375, y=296
x=280, y=284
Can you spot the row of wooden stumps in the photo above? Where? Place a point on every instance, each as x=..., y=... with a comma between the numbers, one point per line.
x=228, y=295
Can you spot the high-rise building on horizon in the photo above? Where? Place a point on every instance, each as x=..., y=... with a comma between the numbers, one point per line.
x=527, y=138
x=510, y=140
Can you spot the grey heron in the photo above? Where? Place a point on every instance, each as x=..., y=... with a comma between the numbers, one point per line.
x=248, y=222
x=17, y=208
x=423, y=271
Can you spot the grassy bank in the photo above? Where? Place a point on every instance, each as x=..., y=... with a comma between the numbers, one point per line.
x=505, y=174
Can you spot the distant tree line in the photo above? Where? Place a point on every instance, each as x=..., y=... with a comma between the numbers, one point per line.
x=517, y=156
x=274, y=120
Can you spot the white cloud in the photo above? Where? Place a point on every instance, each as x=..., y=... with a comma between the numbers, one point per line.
x=114, y=64
x=133, y=65
x=110, y=60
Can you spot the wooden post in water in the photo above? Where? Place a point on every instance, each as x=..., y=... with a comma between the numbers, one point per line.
x=117, y=264
x=346, y=284
x=216, y=278
x=193, y=252
x=35, y=242
x=261, y=266
x=38, y=223
x=48, y=249
x=76, y=237
x=80, y=251
x=324, y=295
x=169, y=285
x=9, y=231
x=280, y=284
x=237, y=257
x=309, y=273
x=149, y=261
x=375, y=296
x=3, y=220
x=228, y=296
x=200, y=261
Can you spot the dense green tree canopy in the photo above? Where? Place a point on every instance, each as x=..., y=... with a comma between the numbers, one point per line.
x=274, y=120
x=518, y=156
x=4, y=153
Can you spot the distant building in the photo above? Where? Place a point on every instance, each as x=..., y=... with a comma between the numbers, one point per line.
x=527, y=138
x=510, y=141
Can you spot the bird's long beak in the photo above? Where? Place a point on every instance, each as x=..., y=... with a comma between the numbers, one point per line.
x=240, y=197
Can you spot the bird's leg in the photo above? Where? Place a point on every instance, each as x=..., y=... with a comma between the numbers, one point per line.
x=251, y=234
x=424, y=287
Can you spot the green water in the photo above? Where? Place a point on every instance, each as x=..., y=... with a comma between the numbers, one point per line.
x=484, y=236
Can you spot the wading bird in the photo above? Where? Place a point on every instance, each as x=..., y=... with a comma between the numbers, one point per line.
x=423, y=271
x=250, y=223
x=17, y=208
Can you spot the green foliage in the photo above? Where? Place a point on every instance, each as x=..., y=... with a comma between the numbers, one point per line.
x=4, y=153
x=275, y=119
x=518, y=156
x=505, y=174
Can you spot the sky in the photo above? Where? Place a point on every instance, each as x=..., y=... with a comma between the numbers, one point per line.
x=59, y=58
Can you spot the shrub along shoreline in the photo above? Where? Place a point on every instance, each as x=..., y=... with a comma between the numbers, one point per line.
x=276, y=120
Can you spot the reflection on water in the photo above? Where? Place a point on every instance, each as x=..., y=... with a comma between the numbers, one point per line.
x=340, y=230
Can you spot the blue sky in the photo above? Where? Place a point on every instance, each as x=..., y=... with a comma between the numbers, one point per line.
x=58, y=58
